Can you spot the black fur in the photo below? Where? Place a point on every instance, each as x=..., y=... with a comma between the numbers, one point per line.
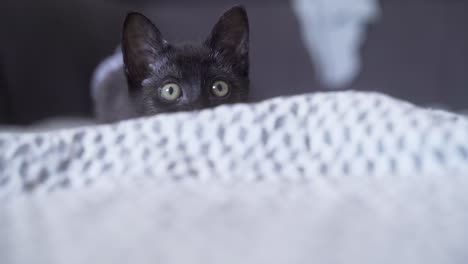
x=150, y=62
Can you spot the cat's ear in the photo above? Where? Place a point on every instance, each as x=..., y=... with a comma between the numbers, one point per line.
x=231, y=33
x=142, y=47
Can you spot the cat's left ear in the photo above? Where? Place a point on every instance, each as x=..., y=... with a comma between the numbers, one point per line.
x=231, y=33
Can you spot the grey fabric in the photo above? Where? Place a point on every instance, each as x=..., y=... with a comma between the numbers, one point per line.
x=333, y=32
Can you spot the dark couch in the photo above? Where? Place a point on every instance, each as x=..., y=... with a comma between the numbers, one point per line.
x=418, y=50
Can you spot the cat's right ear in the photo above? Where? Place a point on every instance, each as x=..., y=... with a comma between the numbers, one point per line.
x=142, y=46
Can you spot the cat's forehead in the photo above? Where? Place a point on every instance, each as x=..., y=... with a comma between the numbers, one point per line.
x=198, y=57
x=185, y=61
x=190, y=61
x=177, y=60
x=190, y=53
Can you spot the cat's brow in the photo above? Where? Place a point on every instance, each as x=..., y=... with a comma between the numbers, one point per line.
x=157, y=65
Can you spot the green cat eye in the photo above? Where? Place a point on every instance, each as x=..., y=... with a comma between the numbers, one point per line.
x=220, y=88
x=170, y=92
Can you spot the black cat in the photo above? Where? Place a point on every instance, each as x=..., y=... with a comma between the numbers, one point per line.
x=158, y=77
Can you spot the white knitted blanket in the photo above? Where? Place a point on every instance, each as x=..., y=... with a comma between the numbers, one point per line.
x=342, y=177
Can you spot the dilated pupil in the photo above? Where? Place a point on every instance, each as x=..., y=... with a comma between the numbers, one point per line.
x=170, y=90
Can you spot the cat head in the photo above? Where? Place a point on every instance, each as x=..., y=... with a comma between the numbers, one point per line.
x=163, y=77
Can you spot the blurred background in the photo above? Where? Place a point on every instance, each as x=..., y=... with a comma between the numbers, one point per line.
x=416, y=50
